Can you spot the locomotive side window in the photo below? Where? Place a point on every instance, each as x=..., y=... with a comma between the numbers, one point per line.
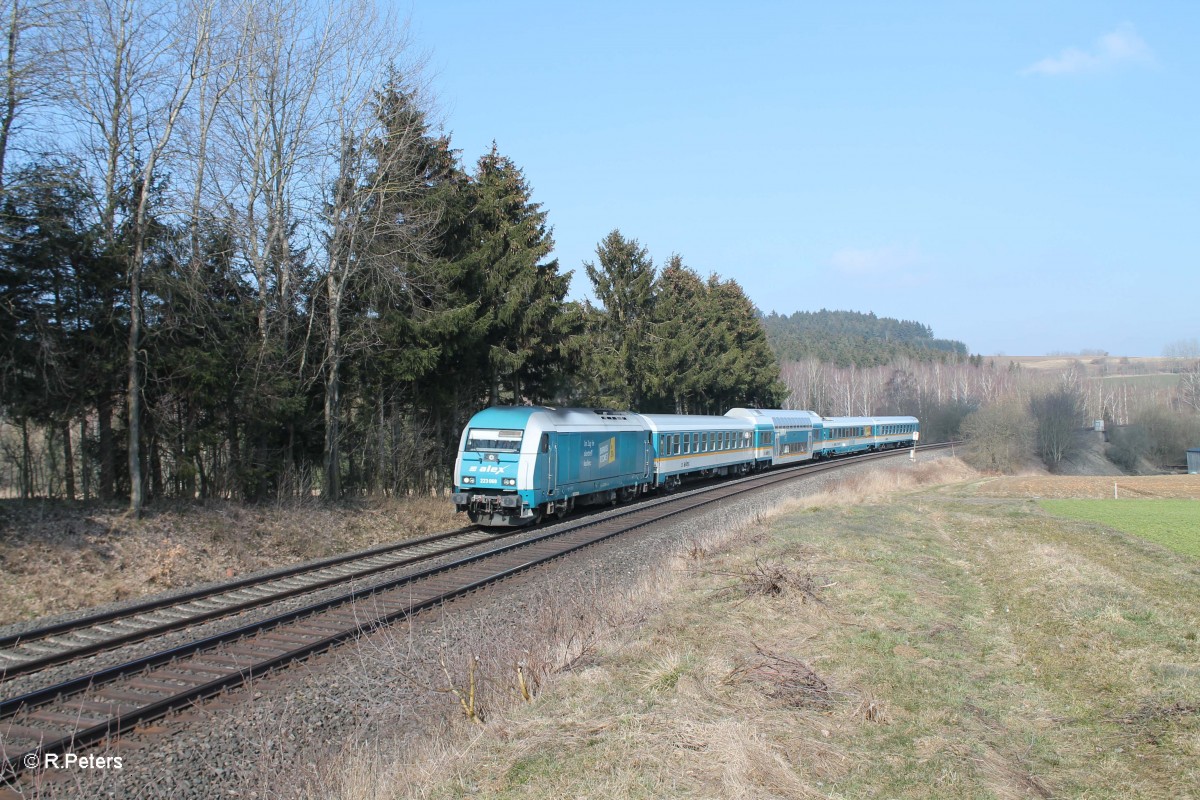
x=544, y=444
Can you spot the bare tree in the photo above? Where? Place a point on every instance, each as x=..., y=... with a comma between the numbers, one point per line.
x=276, y=131
x=132, y=70
x=31, y=64
x=1057, y=416
x=374, y=226
x=1183, y=348
x=1189, y=386
x=998, y=437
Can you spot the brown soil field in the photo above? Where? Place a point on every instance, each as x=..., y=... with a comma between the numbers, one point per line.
x=1090, y=487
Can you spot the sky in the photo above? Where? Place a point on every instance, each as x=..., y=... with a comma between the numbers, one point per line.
x=1021, y=176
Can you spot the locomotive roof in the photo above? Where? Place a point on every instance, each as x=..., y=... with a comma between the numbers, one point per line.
x=556, y=418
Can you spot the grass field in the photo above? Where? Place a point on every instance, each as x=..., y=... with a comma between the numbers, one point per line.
x=1174, y=524
x=930, y=643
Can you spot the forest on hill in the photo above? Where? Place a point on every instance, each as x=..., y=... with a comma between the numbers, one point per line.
x=846, y=338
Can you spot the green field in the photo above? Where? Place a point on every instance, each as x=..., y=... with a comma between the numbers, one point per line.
x=1174, y=524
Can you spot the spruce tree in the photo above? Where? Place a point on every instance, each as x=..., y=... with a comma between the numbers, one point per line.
x=623, y=281
x=522, y=292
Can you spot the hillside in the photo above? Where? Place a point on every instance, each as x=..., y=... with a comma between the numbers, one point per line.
x=849, y=338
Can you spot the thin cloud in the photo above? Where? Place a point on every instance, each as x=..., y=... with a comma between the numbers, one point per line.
x=1121, y=47
x=874, y=261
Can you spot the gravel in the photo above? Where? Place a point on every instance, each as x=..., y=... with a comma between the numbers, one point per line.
x=292, y=734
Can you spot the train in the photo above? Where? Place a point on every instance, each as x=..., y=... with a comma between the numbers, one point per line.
x=517, y=465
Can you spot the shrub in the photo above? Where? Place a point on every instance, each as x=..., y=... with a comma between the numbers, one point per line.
x=998, y=437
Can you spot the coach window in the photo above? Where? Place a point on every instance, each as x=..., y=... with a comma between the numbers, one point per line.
x=687, y=443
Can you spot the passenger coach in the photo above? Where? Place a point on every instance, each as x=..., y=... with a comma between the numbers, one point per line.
x=687, y=446
x=783, y=437
x=842, y=435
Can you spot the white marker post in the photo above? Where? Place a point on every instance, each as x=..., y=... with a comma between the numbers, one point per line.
x=912, y=454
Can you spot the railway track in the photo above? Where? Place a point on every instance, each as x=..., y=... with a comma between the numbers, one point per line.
x=60, y=643
x=78, y=712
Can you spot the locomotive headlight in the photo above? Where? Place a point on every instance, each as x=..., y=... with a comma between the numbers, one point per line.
x=509, y=481
x=468, y=479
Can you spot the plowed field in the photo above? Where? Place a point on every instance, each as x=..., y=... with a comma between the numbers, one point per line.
x=1099, y=487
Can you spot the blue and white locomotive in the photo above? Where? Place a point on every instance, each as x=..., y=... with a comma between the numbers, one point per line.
x=518, y=464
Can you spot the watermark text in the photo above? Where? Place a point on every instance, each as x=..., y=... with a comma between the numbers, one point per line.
x=71, y=761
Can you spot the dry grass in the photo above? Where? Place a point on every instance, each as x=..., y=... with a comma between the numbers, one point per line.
x=883, y=486
x=963, y=648
x=56, y=559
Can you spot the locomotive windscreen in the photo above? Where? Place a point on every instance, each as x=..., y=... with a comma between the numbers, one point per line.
x=491, y=440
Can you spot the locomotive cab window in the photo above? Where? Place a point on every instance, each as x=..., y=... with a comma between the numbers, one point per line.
x=482, y=440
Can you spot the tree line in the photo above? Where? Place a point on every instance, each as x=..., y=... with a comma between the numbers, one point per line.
x=238, y=260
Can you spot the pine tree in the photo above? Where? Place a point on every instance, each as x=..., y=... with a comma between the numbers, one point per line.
x=60, y=341
x=746, y=370
x=676, y=379
x=522, y=293
x=623, y=282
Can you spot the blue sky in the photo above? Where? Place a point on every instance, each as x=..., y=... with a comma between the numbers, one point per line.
x=1022, y=176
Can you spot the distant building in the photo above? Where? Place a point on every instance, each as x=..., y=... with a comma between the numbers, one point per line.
x=1193, y=456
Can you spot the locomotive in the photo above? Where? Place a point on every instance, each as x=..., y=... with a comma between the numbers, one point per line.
x=519, y=464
